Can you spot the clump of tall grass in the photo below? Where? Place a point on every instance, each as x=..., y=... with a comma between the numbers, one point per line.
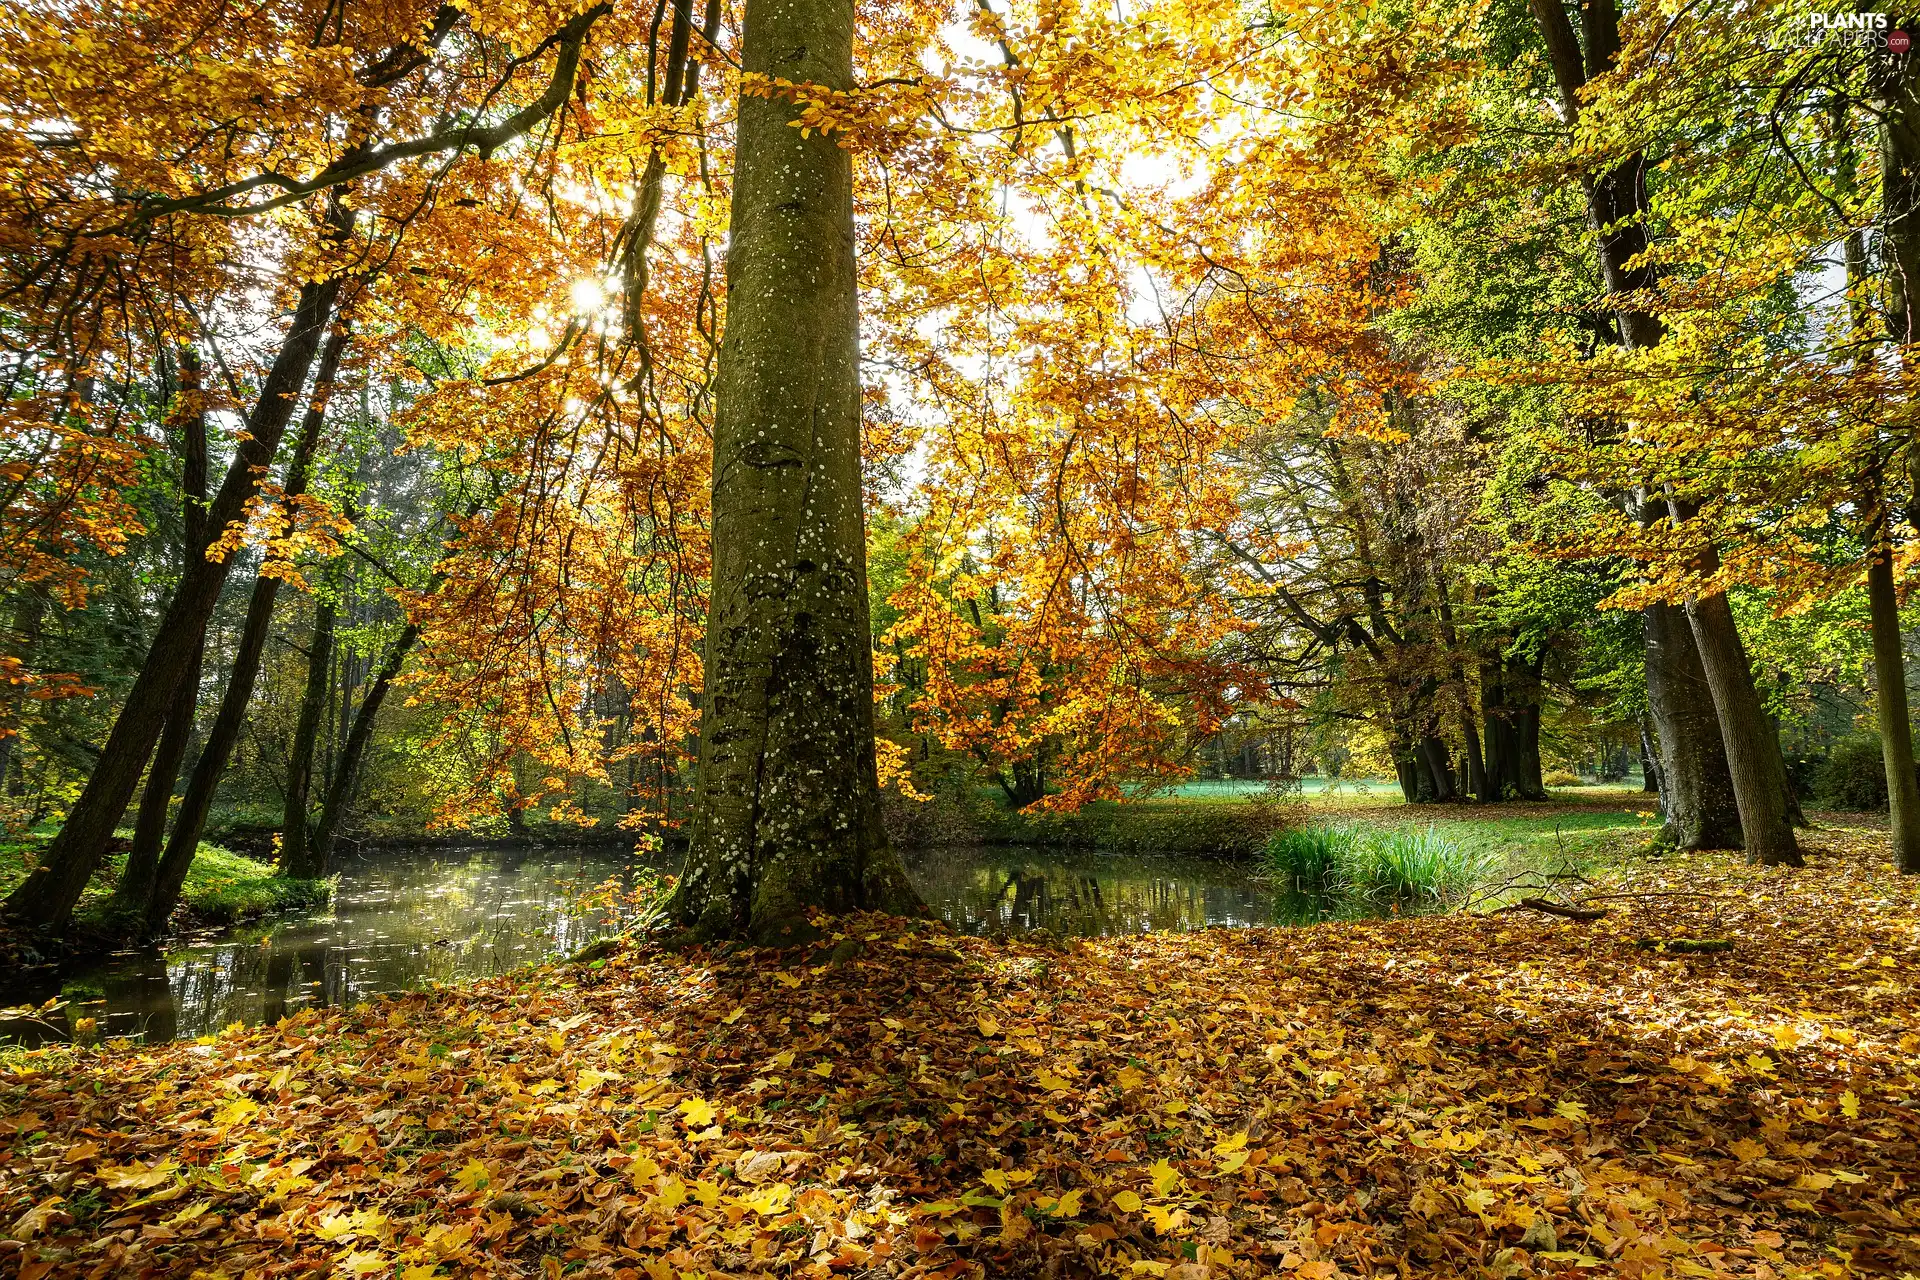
x=1312, y=859
x=1413, y=865
x=1400, y=864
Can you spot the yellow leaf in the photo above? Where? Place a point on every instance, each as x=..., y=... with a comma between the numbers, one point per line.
x=734, y=1017
x=1850, y=1105
x=821, y=1069
x=364, y=1262
x=996, y=1179
x=239, y=1111
x=472, y=1176
x=1127, y=1202
x=699, y=1113
x=1227, y=1146
x=1048, y=1080
x=1165, y=1177
x=787, y=979
x=1747, y=1149
x=135, y=1177
x=768, y=1200
x=1234, y=1162
x=1067, y=1206
x=1165, y=1220
x=1129, y=1078
x=988, y=1027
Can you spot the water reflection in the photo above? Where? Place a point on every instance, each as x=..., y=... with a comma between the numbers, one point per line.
x=982, y=891
x=404, y=918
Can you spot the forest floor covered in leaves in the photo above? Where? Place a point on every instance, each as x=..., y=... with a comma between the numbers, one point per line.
x=1495, y=1095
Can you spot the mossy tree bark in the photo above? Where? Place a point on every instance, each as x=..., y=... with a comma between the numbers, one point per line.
x=787, y=816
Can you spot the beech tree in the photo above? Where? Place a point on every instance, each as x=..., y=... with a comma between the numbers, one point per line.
x=787, y=817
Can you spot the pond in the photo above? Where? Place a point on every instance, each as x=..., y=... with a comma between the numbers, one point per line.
x=405, y=918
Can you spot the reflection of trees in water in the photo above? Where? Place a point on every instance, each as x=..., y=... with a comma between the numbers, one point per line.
x=399, y=920
x=979, y=890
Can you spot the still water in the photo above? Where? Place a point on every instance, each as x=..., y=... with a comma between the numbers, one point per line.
x=409, y=917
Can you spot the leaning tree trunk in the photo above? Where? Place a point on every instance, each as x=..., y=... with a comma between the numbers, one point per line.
x=130, y=897
x=787, y=818
x=222, y=735
x=296, y=850
x=47, y=896
x=346, y=771
x=1753, y=752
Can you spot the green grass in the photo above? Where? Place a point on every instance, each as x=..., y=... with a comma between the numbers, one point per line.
x=221, y=887
x=1312, y=859
x=1393, y=863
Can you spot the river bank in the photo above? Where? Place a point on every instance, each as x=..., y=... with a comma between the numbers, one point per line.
x=1507, y=1095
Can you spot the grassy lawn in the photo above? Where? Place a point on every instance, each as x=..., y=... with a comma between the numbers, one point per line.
x=222, y=886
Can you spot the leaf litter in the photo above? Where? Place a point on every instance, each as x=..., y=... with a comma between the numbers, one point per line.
x=1497, y=1096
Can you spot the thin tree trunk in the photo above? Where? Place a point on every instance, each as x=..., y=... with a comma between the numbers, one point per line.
x=48, y=895
x=191, y=818
x=1649, y=768
x=29, y=615
x=1890, y=698
x=296, y=853
x=788, y=813
x=135, y=889
x=340, y=786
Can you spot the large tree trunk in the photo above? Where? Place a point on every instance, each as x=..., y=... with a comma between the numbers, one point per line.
x=191, y=818
x=296, y=850
x=346, y=771
x=1510, y=711
x=130, y=897
x=1692, y=757
x=1696, y=791
x=47, y=897
x=1896, y=86
x=1438, y=765
x=1752, y=750
x=787, y=818
x=1890, y=698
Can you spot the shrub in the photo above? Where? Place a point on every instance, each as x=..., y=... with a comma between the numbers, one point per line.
x=1854, y=776
x=1562, y=778
x=1312, y=859
x=1418, y=864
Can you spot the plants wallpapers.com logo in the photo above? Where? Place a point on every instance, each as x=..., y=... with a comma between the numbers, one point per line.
x=1873, y=31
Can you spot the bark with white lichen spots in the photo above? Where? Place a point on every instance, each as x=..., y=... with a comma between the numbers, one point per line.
x=787, y=818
